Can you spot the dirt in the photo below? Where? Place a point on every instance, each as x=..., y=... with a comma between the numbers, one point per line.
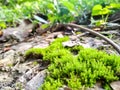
x=17, y=73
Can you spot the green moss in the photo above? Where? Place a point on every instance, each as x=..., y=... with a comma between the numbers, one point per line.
x=34, y=53
x=83, y=68
x=107, y=87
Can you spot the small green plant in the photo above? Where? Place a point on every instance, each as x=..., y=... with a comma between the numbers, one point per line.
x=76, y=70
x=107, y=87
x=2, y=25
x=104, y=12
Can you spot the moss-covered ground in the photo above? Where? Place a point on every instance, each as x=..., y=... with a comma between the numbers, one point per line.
x=76, y=67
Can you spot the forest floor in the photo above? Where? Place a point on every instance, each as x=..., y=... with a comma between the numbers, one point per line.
x=16, y=73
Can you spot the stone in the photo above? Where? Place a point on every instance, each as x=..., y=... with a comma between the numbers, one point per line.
x=18, y=33
x=21, y=68
x=7, y=88
x=115, y=85
x=97, y=86
x=5, y=80
x=69, y=43
x=22, y=47
x=11, y=57
x=8, y=58
x=41, y=44
x=36, y=81
x=60, y=36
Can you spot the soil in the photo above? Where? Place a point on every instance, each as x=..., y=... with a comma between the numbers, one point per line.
x=17, y=73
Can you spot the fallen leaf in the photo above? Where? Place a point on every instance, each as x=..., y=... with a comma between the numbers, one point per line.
x=6, y=49
x=1, y=33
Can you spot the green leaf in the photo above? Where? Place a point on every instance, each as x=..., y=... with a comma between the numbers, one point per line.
x=2, y=24
x=115, y=5
x=43, y=26
x=96, y=10
x=105, y=11
x=51, y=6
x=99, y=10
x=64, y=11
x=99, y=22
x=69, y=6
x=97, y=7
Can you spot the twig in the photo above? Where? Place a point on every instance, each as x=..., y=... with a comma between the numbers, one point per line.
x=97, y=34
x=2, y=51
x=115, y=20
x=83, y=34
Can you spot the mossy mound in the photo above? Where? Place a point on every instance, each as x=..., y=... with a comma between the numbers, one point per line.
x=75, y=70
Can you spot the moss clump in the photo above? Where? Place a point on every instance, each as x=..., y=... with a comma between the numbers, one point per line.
x=34, y=53
x=83, y=68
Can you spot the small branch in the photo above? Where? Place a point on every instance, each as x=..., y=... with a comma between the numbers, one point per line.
x=115, y=20
x=116, y=47
x=3, y=50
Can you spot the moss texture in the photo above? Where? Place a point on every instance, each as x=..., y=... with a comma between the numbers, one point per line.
x=83, y=68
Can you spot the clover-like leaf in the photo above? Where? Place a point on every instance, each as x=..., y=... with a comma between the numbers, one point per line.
x=96, y=10
x=115, y=5
x=99, y=10
x=105, y=11
x=3, y=25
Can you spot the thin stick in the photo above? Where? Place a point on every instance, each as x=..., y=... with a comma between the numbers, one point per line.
x=3, y=50
x=115, y=20
x=116, y=47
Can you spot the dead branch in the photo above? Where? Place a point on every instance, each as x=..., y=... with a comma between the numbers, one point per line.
x=116, y=47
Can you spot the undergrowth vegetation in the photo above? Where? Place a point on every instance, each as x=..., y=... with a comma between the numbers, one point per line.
x=11, y=11
x=104, y=12
x=76, y=67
